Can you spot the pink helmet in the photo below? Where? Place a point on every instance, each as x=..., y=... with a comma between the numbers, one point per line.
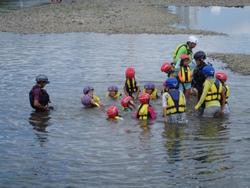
x=221, y=76
x=144, y=98
x=112, y=111
x=166, y=67
x=184, y=56
x=130, y=72
x=125, y=100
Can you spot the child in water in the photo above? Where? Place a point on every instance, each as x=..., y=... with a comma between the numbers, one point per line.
x=173, y=102
x=168, y=68
x=89, y=99
x=113, y=113
x=145, y=110
x=184, y=74
x=226, y=89
x=150, y=89
x=127, y=104
x=131, y=87
x=113, y=92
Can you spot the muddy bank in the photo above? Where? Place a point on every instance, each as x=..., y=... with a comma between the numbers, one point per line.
x=236, y=62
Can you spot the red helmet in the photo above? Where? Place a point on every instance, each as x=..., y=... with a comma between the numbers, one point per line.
x=125, y=100
x=184, y=56
x=112, y=112
x=130, y=72
x=221, y=76
x=144, y=98
x=166, y=67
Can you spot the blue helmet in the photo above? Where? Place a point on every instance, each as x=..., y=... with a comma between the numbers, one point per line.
x=87, y=89
x=113, y=88
x=208, y=70
x=200, y=55
x=42, y=78
x=171, y=83
x=149, y=86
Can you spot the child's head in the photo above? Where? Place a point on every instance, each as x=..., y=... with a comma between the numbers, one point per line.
x=208, y=71
x=171, y=83
x=112, y=112
x=166, y=67
x=184, y=59
x=130, y=72
x=144, y=98
x=221, y=76
x=88, y=90
x=149, y=88
x=112, y=91
x=127, y=102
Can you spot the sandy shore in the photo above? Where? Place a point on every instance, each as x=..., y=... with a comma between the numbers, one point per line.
x=112, y=16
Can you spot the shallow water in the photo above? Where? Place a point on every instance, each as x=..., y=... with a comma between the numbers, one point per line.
x=230, y=20
x=76, y=147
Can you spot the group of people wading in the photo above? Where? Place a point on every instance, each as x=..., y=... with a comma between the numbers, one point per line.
x=187, y=75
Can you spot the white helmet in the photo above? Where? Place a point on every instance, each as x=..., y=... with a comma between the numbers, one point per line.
x=193, y=39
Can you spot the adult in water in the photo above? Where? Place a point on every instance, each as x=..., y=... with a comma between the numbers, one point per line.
x=185, y=48
x=39, y=98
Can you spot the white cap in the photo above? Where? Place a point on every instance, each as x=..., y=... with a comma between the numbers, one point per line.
x=193, y=39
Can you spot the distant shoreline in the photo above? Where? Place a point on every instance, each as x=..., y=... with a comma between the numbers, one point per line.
x=113, y=16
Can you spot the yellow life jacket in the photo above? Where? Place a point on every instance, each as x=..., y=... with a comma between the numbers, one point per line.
x=142, y=112
x=118, y=94
x=214, y=93
x=186, y=51
x=131, y=86
x=96, y=100
x=175, y=102
x=228, y=92
x=153, y=95
x=177, y=50
x=185, y=74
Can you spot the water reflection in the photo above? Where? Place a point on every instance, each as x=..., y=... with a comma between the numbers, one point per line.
x=40, y=121
x=174, y=135
x=231, y=20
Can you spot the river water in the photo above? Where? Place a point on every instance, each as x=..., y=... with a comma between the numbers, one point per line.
x=76, y=147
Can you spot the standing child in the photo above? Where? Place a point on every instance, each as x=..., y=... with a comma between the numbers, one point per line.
x=184, y=74
x=226, y=89
x=131, y=87
x=145, y=110
x=89, y=99
x=173, y=102
x=211, y=94
x=168, y=68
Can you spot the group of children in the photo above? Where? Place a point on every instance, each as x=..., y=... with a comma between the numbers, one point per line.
x=176, y=89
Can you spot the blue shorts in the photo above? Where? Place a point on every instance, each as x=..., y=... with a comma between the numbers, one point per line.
x=183, y=86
